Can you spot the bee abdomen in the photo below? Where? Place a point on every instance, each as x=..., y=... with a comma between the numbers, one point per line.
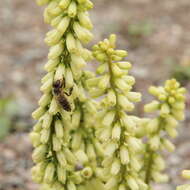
x=64, y=103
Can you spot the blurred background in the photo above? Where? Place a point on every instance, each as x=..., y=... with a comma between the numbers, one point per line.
x=156, y=35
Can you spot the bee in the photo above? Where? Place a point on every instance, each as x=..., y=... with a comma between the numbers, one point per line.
x=58, y=86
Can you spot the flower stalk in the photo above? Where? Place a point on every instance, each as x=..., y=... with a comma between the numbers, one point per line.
x=170, y=105
x=82, y=144
x=116, y=129
x=63, y=138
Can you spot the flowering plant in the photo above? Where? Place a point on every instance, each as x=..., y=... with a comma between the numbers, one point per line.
x=81, y=143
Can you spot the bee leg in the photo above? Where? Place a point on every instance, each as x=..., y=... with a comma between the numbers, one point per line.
x=70, y=92
x=64, y=84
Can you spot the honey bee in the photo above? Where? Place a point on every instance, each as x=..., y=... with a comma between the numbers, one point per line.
x=58, y=86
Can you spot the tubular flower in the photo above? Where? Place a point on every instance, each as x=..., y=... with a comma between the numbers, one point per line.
x=81, y=144
x=186, y=175
x=64, y=147
x=116, y=129
x=170, y=105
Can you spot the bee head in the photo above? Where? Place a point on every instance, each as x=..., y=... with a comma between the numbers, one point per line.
x=57, y=84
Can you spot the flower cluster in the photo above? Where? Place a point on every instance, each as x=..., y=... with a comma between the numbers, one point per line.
x=116, y=129
x=64, y=153
x=170, y=105
x=82, y=144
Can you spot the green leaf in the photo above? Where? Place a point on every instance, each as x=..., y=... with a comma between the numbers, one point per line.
x=11, y=108
x=4, y=127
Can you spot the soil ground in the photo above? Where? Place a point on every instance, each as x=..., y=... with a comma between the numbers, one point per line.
x=156, y=35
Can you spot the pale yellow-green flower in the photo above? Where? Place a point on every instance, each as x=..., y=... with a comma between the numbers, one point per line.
x=115, y=128
x=65, y=150
x=170, y=105
x=81, y=144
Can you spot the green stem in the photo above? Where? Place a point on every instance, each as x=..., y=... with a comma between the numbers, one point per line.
x=54, y=157
x=149, y=165
x=117, y=108
x=150, y=155
x=113, y=85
